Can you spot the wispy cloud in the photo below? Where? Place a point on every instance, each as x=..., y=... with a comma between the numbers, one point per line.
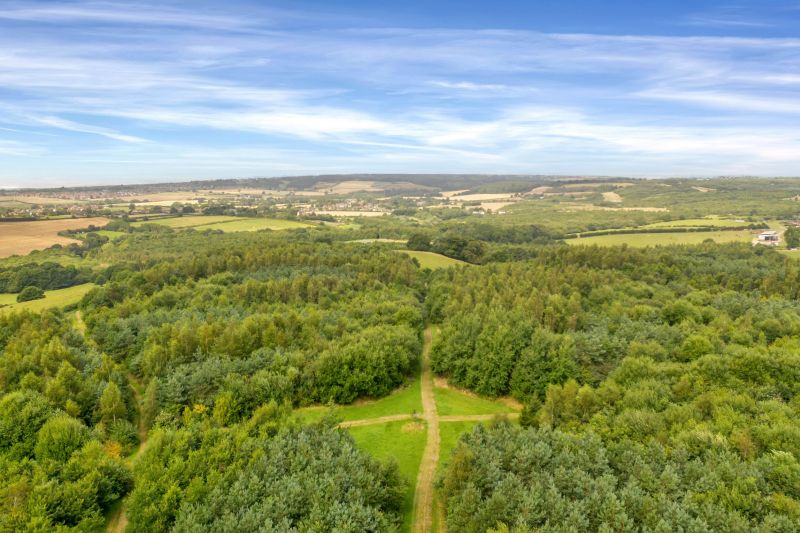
x=151, y=78
x=723, y=21
x=123, y=13
x=69, y=125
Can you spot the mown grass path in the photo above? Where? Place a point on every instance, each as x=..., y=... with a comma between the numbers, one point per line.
x=423, y=496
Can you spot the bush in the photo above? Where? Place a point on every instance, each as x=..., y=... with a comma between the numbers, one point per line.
x=59, y=437
x=30, y=293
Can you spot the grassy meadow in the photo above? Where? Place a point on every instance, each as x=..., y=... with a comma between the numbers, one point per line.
x=402, y=441
x=56, y=298
x=663, y=239
x=403, y=401
x=433, y=260
x=453, y=402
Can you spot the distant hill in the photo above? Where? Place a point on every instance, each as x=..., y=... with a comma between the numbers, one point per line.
x=386, y=183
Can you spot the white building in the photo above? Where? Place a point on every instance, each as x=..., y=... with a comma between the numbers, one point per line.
x=768, y=237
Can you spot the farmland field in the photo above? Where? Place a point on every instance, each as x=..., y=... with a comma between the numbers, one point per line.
x=19, y=238
x=663, y=239
x=433, y=260
x=254, y=224
x=699, y=222
x=353, y=213
x=186, y=222
x=225, y=223
x=56, y=298
x=38, y=200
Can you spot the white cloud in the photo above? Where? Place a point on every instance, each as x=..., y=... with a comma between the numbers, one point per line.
x=468, y=100
x=69, y=125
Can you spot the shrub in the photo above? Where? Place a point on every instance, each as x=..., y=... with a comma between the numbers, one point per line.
x=30, y=293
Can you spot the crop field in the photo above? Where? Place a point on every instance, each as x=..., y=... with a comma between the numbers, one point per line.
x=663, y=239
x=19, y=238
x=56, y=298
x=433, y=260
x=404, y=441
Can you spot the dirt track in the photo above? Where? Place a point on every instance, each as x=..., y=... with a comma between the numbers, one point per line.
x=423, y=496
x=373, y=421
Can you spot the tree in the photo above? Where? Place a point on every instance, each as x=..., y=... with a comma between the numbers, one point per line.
x=792, y=237
x=59, y=437
x=30, y=293
x=112, y=406
x=419, y=241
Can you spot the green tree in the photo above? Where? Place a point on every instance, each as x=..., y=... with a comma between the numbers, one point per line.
x=419, y=241
x=792, y=237
x=59, y=437
x=111, y=406
x=30, y=293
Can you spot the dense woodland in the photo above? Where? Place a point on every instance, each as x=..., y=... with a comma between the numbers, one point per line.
x=220, y=335
x=661, y=385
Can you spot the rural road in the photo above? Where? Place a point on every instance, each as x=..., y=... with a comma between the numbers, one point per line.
x=423, y=496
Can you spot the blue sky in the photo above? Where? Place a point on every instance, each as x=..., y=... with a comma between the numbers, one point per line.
x=98, y=92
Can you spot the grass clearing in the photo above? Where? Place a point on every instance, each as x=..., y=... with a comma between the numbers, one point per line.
x=433, y=260
x=452, y=402
x=404, y=443
x=56, y=298
x=663, y=239
x=403, y=401
x=449, y=432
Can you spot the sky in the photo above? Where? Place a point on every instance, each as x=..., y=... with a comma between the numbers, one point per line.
x=106, y=92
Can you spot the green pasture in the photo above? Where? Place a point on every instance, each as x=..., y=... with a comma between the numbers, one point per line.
x=433, y=260
x=224, y=223
x=708, y=222
x=253, y=224
x=56, y=298
x=186, y=222
x=663, y=239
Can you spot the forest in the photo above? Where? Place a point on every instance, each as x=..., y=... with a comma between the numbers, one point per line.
x=221, y=340
x=659, y=385
x=661, y=390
